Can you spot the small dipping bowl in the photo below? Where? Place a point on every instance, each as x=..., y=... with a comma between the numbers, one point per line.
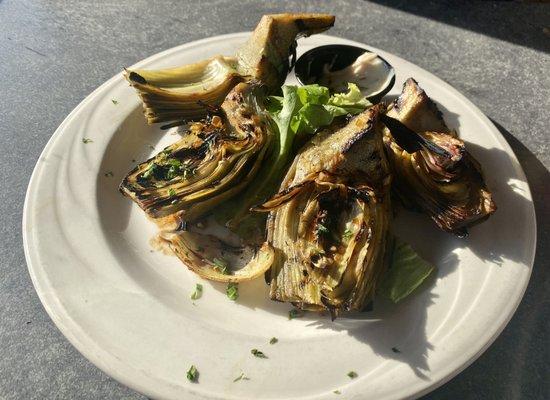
x=310, y=66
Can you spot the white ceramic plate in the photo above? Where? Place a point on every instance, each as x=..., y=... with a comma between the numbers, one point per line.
x=127, y=308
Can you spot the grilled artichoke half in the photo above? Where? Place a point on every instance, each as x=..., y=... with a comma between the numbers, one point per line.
x=214, y=160
x=187, y=92
x=449, y=188
x=330, y=222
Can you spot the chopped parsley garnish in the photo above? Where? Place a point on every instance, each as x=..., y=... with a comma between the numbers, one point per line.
x=352, y=374
x=192, y=373
x=172, y=173
x=109, y=174
x=273, y=340
x=115, y=102
x=171, y=192
x=197, y=293
x=241, y=377
x=294, y=313
x=258, y=353
x=86, y=140
x=220, y=265
x=150, y=171
x=322, y=229
x=337, y=392
x=166, y=169
x=187, y=172
x=395, y=350
x=232, y=291
x=174, y=169
x=347, y=234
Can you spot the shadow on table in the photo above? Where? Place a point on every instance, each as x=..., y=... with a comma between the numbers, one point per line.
x=514, y=22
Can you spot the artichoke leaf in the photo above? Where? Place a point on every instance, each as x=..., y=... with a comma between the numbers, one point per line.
x=184, y=92
x=212, y=259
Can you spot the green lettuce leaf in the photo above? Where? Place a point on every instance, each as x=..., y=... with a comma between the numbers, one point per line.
x=309, y=118
x=316, y=108
x=313, y=94
x=406, y=273
x=353, y=100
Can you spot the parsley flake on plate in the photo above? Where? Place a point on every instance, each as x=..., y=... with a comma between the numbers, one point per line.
x=294, y=313
x=258, y=353
x=192, y=373
x=221, y=265
x=197, y=293
x=232, y=291
x=241, y=377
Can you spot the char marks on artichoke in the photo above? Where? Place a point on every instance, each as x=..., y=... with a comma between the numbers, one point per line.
x=448, y=188
x=329, y=224
x=214, y=160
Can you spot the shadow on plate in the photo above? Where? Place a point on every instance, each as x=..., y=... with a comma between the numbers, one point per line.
x=405, y=323
x=518, y=349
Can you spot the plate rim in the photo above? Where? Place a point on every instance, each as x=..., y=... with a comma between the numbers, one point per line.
x=58, y=315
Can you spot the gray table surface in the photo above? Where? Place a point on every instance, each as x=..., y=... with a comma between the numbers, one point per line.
x=54, y=53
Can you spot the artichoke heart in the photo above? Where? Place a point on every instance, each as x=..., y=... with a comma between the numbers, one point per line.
x=216, y=158
x=447, y=187
x=329, y=224
x=187, y=92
